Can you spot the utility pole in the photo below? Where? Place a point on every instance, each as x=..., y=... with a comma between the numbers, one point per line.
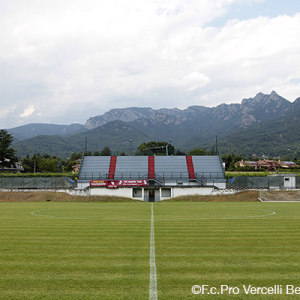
x=217, y=148
x=130, y=149
x=86, y=145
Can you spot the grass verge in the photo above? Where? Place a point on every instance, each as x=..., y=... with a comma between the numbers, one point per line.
x=238, y=197
x=56, y=197
x=63, y=197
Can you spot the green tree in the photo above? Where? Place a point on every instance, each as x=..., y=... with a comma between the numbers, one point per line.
x=75, y=155
x=72, y=161
x=155, y=148
x=36, y=158
x=105, y=151
x=45, y=163
x=7, y=154
x=27, y=164
x=198, y=151
x=48, y=165
x=230, y=160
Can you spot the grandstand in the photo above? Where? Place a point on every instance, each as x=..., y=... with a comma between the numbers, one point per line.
x=151, y=178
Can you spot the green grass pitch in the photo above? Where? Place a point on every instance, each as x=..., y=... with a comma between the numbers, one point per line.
x=51, y=250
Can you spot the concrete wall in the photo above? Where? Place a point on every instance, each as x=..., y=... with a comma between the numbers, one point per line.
x=142, y=193
x=120, y=192
x=82, y=185
x=177, y=192
x=162, y=193
x=218, y=183
x=185, y=183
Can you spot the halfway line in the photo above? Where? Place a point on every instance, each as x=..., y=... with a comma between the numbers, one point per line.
x=153, y=279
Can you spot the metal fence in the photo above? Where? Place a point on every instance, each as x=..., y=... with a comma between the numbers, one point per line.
x=298, y=182
x=35, y=182
x=259, y=182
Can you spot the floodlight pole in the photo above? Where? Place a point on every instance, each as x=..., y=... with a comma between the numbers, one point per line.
x=167, y=147
x=86, y=145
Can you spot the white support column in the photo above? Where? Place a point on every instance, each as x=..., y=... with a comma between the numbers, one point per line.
x=143, y=194
x=159, y=194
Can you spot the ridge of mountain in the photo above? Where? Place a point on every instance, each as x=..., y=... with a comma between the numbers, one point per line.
x=35, y=129
x=193, y=127
x=115, y=134
x=274, y=137
x=251, y=110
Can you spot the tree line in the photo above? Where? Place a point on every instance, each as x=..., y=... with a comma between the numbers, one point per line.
x=46, y=163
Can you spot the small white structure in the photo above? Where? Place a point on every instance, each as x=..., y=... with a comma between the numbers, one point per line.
x=289, y=181
x=285, y=181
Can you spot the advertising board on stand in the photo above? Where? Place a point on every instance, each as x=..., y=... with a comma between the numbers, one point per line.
x=114, y=184
x=98, y=182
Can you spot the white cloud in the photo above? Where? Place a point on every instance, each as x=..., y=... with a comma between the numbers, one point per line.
x=28, y=111
x=194, y=81
x=68, y=60
x=4, y=111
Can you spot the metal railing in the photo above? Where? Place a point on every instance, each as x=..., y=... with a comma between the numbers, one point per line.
x=158, y=175
x=35, y=182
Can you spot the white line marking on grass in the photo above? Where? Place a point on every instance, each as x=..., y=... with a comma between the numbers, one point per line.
x=37, y=213
x=153, y=279
x=34, y=213
x=225, y=218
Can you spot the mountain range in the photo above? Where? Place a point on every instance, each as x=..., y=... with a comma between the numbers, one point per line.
x=265, y=124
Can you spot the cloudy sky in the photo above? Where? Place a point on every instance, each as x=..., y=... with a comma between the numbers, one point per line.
x=64, y=61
